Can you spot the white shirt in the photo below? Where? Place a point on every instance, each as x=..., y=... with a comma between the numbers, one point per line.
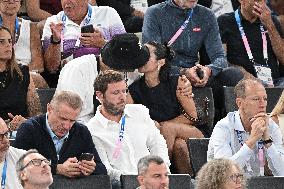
x=103, y=18
x=141, y=138
x=224, y=143
x=23, y=46
x=13, y=155
x=78, y=76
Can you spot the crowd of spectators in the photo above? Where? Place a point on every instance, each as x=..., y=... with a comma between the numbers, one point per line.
x=74, y=46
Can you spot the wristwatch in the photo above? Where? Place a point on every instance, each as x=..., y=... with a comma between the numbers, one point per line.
x=267, y=141
x=54, y=42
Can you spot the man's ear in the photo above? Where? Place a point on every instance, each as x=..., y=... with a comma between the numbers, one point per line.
x=23, y=176
x=99, y=95
x=140, y=179
x=239, y=102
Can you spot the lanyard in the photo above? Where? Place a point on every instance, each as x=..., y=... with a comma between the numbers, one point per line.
x=4, y=171
x=180, y=30
x=87, y=21
x=245, y=40
x=16, y=27
x=260, y=153
x=120, y=137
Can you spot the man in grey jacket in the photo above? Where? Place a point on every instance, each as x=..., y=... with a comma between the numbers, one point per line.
x=198, y=26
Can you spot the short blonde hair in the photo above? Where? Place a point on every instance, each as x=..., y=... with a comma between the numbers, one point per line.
x=214, y=174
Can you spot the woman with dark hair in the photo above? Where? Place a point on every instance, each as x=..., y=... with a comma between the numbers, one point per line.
x=26, y=40
x=18, y=98
x=167, y=104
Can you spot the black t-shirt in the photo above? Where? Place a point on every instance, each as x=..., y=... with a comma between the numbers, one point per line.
x=13, y=96
x=161, y=100
x=236, y=52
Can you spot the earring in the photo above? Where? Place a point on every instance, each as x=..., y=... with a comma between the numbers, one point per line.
x=159, y=67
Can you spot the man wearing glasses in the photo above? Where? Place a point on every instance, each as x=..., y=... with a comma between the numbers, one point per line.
x=34, y=171
x=57, y=136
x=8, y=157
x=249, y=136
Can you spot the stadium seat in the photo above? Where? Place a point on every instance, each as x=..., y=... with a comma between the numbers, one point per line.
x=197, y=148
x=177, y=181
x=45, y=96
x=265, y=183
x=89, y=182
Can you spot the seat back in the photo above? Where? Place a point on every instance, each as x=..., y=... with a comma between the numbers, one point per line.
x=197, y=148
x=45, y=96
x=176, y=181
x=265, y=183
x=273, y=95
x=204, y=102
x=89, y=182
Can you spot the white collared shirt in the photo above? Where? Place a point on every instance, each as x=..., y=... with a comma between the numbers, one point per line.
x=141, y=138
x=224, y=143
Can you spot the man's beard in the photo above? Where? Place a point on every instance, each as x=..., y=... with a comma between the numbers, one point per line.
x=111, y=109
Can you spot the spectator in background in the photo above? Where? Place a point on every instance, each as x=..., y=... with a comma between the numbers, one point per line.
x=130, y=11
x=26, y=39
x=8, y=158
x=80, y=74
x=18, y=97
x=162, y=23
x=275, y=32
x=161, y=94
x=220, y=174
x=63, y=41
x=34, y=171
x=152, y=173
x=122, y=133
x=57, y=136
x=245, y=134
x=247, y=52
x=277, y=113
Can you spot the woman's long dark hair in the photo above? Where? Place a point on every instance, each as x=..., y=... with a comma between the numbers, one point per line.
x=162, y=51
x=12, y=63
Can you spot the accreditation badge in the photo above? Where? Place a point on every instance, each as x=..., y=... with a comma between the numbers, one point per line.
x=264, y=74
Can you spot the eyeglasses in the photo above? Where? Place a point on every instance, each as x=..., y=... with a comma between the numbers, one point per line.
x=237, y=178
x=7, y=135
x=36, y=162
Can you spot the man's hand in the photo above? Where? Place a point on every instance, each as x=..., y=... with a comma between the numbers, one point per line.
x=184, y=87
x=17, y=120
x=95, y=39
x=258, y=129
x=191, y=74
x=87, y=167
x=70, y=168
x=56, y=30
x=262, y=11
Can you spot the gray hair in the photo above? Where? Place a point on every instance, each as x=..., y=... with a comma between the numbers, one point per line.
x=144, y=163
x=68, y=97
x=214, y=174
x=240, y=88
x=20, y=163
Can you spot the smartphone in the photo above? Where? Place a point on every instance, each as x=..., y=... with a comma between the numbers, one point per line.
x=200, y=73
x=86, y=156
x=87, y=29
